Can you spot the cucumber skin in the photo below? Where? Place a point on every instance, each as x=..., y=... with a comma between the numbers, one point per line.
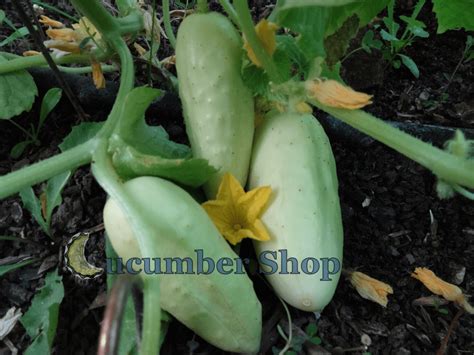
x=222, y=309
x=293, y=155
x=218, y=107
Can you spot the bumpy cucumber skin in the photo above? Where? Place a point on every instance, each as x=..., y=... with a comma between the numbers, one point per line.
x=218, y=107
x=292, y=154
x=222, y=309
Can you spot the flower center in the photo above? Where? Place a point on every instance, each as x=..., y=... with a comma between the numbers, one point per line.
x=237, y=227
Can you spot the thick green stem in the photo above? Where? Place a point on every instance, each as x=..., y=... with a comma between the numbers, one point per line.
x=228, y=8
x=202, y=6
x=127, y=79
x=151, y=316
x=167, y=23
x=20, y=63
x=31, y=175
x=444, y=165
x=247, y=27
x=84, y=70
x=131, y=23
x=105, y=23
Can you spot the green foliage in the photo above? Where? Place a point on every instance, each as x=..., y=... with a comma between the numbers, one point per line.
x=453, y=15
x=147, y=139
x=80, y=134
x=17, y=92
x=42, y=208
x=11, y=267
x=394, y=42
x=337, y=43
x=49, y=102
x=41, y=319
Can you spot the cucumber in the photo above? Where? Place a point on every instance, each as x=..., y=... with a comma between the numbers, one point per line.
x=218, y=107
x=222, y=309
x=292, y=154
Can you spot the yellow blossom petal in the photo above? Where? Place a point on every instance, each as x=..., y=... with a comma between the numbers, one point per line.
x=63, y=34
x=85, y=29
x=442, y=288
x=235, y=213
x=64, y=46
x=259, y=231
x=97, y=75
x=254, y=201
x=266, y=34
x=229, y=189
x=370, y=288
x=45, y=20
x=31, y=53
x=334, y=94
x=140, y=50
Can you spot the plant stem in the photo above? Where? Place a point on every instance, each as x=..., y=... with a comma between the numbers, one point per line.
x=33, y=174
x=20, y=63
x=229, y=9
x=151, y=316
x=446, y=166
x=25, y=131
x=247, y=27
x=105, y=23
x=167, y=22
x=131, y=23
x=84, y=70
x=202, y=6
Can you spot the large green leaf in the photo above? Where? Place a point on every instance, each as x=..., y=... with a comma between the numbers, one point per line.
x=192, y=172
x=454, y=14
x=17, y=92
x=304, y=3
x=41, y=319
x=152, y=140
x=80, y=134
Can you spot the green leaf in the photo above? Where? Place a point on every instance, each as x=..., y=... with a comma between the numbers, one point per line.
x=33, y=205
x=288, y=45
x=255, y=79
x=17, y=92
x=305, y=3
x=337, y=43
x=41, y=319
x=10, y=267
x=2, y=16
x=410, y=64
x=150, y=140
x=19, y=33
x=131, y=163
x=54, y=188
x=50, y=100
x=80, y=134
x=311, y=329
x=368, y=42
x=19, y=148
x=315, y=340
x=453, y=15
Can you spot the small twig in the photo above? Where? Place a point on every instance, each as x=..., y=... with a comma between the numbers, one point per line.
x=39, y=42
x=452, y=326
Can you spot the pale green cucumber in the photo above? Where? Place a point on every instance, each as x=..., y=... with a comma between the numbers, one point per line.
x=222, y=309
x=292, y=154
x=218, y=107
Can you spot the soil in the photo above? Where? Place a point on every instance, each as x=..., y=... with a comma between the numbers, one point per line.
x=393, y=220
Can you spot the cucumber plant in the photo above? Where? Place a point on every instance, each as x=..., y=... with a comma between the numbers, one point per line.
x=131, y=161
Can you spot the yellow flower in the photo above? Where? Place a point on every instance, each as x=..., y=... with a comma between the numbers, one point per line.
x=236, y=212
x=97, y=75
x=370, y=288
x=72, y=40
x=266, y=34
x=332, y=93
x=30, y=53
x=45, y=20
x=442, y=288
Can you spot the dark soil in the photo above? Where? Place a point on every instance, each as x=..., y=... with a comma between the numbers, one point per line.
x=386, y=239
